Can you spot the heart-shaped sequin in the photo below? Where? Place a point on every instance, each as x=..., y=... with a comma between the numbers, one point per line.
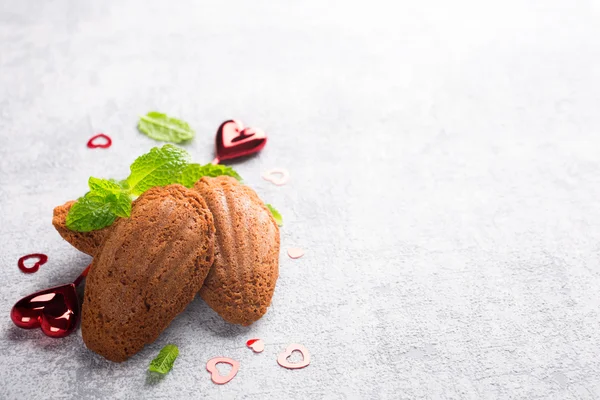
x=295, y=252
x=282, y=359
x=211, y=366
x=41, y=260
x=99, y=141
x=257, y=345
x=277, y=176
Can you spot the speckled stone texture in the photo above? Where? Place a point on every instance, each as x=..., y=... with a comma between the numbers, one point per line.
x=445, y=177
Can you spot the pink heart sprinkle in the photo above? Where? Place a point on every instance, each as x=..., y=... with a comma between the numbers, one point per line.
x=277, y=176
x=211, y=366
x=257, y=345
x=295, y=252
x=282, y=359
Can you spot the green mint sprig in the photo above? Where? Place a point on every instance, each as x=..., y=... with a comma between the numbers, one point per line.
x=109, y=199
x=165, y=359
x=99, y=207
x=163, y=128
x=276, y=215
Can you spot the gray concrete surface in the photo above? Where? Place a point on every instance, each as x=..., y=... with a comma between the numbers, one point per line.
x=445, y=177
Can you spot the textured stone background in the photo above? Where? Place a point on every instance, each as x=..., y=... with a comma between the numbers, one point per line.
x=445, y=172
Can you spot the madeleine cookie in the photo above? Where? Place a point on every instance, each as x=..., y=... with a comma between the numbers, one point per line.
x=150, y=267
x=240, y=284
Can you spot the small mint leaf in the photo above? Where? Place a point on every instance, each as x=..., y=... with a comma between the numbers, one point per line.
x=113, y=193
x=120, y=204
x=276, y=214
x=165, y=359
x=160, y=167
x=89, y=213
x=194, y=172
x=163, y=128
x=107, y=186
x=99, y=208
x=122, y=184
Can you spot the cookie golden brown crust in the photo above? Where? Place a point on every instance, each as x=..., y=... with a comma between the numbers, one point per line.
x=240, y=284
x=86, y=242
x=149, y=268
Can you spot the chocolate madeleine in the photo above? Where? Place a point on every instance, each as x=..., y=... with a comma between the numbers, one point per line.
x=150, y=267
x=240, y=284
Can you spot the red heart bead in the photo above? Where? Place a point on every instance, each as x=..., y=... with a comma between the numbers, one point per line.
x=233, y=140
x=54, y=310
x=92, y=142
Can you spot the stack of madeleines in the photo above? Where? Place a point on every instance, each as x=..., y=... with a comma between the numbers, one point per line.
x=217, y=239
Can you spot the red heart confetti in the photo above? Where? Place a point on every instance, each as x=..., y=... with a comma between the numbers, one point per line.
x=41, y=260
x=92, y=143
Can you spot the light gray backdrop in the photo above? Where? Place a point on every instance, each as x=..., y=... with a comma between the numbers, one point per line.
x=445, y=172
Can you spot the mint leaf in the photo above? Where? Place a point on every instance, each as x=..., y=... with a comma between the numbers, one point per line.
x=193, y=172
x=164, y=361
x=122, y=184
x=163, y=128
x=113, y=193
x=99, y=208
x=276, y=214
x=103, y=186
x=160, y=167
x=120, y=204
x=89, y=213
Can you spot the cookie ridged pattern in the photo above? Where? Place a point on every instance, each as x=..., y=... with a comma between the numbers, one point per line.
x=241, y=283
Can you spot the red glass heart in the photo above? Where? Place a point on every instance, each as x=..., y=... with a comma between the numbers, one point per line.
x=92, y=143
x=233, y=140
x=54, y=310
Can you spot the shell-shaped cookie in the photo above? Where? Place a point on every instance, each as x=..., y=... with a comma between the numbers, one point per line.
x=149, y=268
x=240, y=285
